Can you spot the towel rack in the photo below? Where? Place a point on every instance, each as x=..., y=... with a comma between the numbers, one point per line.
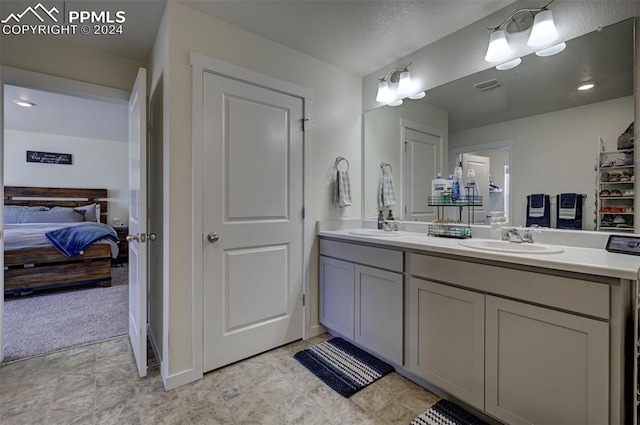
x=386, y=164
x=340, y=159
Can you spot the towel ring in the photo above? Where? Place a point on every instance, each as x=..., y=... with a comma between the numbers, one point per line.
x=386, y=164
x=340, y=159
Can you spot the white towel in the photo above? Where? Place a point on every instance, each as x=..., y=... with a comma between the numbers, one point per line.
x=386, y=192
x=536, y=212
x=342, y=193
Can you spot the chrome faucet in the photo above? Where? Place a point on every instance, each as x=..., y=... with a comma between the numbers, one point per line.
x=390, y=226
x=510, y=233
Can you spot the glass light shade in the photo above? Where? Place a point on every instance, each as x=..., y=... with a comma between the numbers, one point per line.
x=499, y=49
x=24, y=103
x=384, y=92
x=396, y=103
x=418, y=95
x=509, y=65
x=544, y=30
x=586, y=86
x=555, y=49
x=405, y=86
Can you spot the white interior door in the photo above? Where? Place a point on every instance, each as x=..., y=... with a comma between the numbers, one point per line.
x=422, y=162
x=138, y=220
x=252, y=219
x=482, y=166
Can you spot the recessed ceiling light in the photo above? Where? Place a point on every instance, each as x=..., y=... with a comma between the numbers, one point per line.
x=24, y=103
x=586, y=86
x=549, y=51
x=509, y=65
x=418, y=96
x=396, y=103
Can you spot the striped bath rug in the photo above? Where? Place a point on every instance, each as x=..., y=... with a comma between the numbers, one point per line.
x=342, y=366
x=446, y=413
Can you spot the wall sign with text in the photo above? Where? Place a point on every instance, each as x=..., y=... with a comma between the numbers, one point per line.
x=50, y=157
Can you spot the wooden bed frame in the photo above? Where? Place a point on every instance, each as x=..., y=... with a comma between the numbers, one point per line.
x=44, y=268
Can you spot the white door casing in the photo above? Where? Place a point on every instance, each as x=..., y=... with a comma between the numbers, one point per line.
x=252, y=173
x=422, y=161
x=2, y=220
x=482, y=167
x=138, y=221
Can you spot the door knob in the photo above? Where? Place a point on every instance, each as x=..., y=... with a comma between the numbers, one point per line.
x=152, y=236
x=131, y=238
x=212, y=237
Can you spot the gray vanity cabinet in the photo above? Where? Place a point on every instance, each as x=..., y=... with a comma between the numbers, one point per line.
x=362, y=295
x=545, y=366
x=446, y=343
x=337, y=292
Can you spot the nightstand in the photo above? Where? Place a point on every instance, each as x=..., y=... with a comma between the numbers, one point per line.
x=123, y=246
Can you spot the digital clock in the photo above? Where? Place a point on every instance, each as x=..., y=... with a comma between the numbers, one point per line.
x=624, y=244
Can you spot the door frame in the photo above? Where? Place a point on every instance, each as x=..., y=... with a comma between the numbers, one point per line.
x=423, y=128
x=509, y=144
x=199, y=65
x=35, y=80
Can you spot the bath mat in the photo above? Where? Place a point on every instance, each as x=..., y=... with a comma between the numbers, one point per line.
x=446, y=413
x=341, y=365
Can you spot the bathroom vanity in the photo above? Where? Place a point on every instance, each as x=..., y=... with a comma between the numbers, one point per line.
x=524, y=338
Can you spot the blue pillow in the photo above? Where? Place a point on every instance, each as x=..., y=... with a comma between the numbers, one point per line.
x=66, y=215
x=12, y=212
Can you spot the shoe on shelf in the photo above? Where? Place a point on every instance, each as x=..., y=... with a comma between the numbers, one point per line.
x=616, y=192
x=604, y=193
x=619, y=219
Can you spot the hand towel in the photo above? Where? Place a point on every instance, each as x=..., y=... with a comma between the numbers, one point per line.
x=567, y=206
x=342, y=193
x=536, y=205
x=386, y=192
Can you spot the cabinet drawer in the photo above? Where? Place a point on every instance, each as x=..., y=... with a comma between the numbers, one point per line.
x=576, y=295
x=371, y=256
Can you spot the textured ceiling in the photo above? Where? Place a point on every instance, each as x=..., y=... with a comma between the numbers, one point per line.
x=359, y=36
x=65, y=115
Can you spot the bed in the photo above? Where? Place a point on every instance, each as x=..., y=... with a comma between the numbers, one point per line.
x=44, y=267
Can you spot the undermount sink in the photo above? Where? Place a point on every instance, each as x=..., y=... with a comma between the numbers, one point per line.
x=511, y=247
x=375, y=232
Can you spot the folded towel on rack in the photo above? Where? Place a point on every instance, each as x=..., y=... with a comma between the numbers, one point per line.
x=567, y=207
x=386, y=192
x=537, y=205
x=342, y=193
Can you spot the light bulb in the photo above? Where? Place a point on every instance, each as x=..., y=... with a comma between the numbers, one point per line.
x=405, y=86
x=384, y=93
x=24, y=103
x=543, y=31
x=498, y=49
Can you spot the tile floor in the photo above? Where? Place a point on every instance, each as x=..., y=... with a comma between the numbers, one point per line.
x=98, y=384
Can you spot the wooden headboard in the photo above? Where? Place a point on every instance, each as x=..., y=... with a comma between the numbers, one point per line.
x=56, y=197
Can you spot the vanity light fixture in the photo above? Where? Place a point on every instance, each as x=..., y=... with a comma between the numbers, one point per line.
x=586, y=86
x=509, y=65
x=24, y=103
x=395, y=86
x=543, y=31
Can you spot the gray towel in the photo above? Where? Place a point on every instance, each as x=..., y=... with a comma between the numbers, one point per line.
x=386, y=192
x=342, y=193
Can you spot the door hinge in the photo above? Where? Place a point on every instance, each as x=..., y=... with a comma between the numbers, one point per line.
x=405, y=146
x=303, y=212
x=303, y=300
x=405, y=211
x=304, y=121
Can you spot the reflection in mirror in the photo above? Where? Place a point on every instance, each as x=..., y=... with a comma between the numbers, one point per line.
x=553, y=128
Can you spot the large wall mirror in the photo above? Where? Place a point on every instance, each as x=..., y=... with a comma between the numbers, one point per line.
x=530, y=127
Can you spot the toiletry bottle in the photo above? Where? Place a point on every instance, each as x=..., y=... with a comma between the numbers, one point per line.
x=457, y=183
x=380, y=220
x=390, y=216
x=472, y=187
x=448, y=190
x=438, y=187
x=498, y=221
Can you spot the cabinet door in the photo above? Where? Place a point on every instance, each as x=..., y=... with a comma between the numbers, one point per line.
x=447, y=339
x=337, y=291
x=379, y=312
x=544, y=366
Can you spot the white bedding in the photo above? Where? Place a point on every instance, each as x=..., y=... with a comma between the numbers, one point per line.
x=31, y=235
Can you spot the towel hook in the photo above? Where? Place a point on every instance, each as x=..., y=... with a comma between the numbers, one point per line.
x=386, y=164
x=340, y=159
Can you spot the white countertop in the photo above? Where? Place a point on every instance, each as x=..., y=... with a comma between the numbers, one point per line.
x=592, y=261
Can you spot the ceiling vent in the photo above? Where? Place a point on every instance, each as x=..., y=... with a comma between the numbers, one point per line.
x=487, y=85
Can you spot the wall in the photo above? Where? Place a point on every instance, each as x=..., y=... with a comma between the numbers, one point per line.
x=334, y=130
x=462, y=53
x=96, y=164
x=382, y=144
x=572, y=137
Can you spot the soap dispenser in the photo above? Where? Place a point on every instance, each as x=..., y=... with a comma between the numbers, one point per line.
x=380, y=220
x=390, y=216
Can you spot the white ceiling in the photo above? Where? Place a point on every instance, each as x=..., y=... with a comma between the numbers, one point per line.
x=65, y=115
x=359, y=36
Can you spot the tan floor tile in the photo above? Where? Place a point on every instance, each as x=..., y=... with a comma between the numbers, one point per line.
x=395, y=413
x=418, y=400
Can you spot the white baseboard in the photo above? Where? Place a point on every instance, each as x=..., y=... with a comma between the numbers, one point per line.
x=315, y=331
x=178, y=379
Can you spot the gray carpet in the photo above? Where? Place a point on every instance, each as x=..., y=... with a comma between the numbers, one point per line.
x=49, y=321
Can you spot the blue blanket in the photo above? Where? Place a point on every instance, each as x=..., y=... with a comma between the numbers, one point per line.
x=71, y=241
